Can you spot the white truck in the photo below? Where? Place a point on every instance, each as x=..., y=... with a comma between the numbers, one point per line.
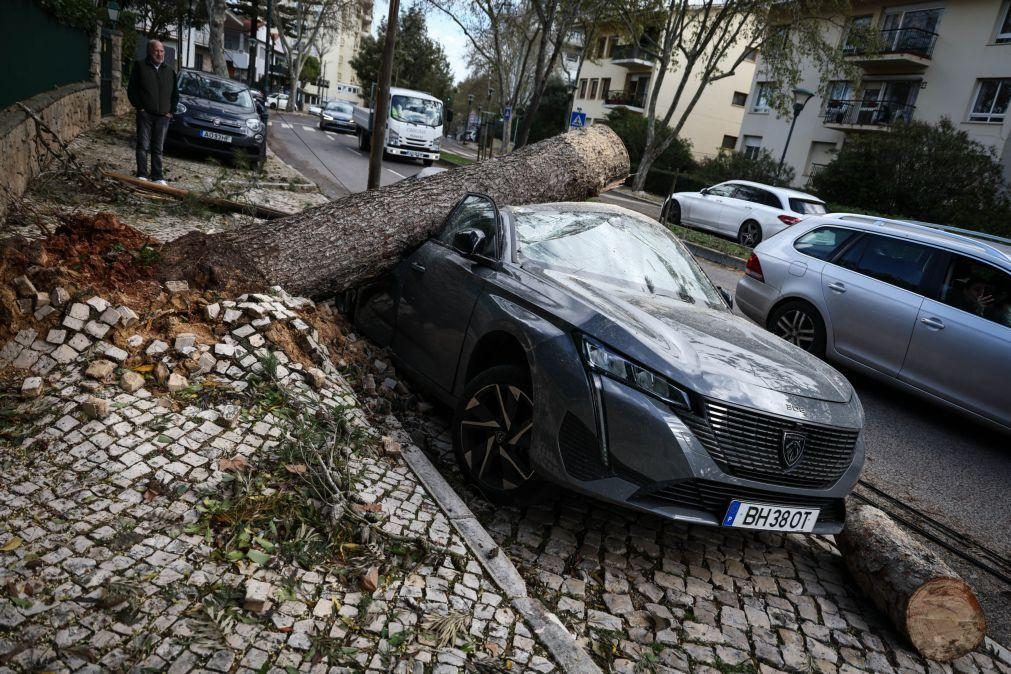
x=413, y=126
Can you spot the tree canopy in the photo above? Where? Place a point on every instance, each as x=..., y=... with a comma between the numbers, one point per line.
x=419, y=62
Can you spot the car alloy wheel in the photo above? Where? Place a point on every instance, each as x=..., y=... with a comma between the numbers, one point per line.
x=672, y=213
x=493, y=426
x=798, y=323
x=750, y=234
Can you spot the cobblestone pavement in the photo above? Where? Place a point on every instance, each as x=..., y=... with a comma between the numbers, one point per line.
x=120, y=446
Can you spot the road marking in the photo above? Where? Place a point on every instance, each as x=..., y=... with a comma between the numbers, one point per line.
x=396, y=174
x=270, y=123
x=355, y=151
x=309, y=129
x=285, y=125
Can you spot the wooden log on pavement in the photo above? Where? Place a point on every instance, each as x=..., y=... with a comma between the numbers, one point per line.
x=217, y=203
x=924, y=598
x=343, y=243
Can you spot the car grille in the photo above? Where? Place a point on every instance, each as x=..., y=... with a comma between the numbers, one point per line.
x=715, y=497
x=223, y=125
x=580, y=450
x=746, y=444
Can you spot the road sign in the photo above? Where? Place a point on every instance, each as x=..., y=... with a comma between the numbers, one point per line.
x=577, y=120
x=507, y=113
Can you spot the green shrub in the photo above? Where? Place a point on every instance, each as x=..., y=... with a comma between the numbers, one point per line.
x=631, y=128
x=763, y=168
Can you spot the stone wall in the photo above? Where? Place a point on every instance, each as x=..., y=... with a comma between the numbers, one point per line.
x=67, y=110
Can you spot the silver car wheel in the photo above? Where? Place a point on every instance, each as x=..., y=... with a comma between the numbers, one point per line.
x=796, y=327
x=750, y=234
x=495, y=436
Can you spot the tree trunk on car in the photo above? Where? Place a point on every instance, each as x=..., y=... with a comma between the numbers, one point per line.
x=339, y=245
x=924, y=598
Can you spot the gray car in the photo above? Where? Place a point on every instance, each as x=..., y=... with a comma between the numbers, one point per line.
x=926, y=309
x=581, y=344
x=337, y=115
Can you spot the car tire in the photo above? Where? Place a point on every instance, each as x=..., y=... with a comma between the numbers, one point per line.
x=672, y=213
x=426, y=162
x=492, y=427
x=799, y=323
x=750, y=234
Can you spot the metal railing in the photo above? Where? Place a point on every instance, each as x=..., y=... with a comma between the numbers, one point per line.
x=635, y=100
x=917, y=41
x=867, y=113
x=627, y=52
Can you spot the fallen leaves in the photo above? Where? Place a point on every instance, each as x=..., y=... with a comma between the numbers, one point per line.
x=296, y=468
x=370, y=579
x=367, y=507
x=11, y=545
x=236, y=463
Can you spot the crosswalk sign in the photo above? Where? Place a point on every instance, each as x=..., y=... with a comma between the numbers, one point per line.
x=577, y=120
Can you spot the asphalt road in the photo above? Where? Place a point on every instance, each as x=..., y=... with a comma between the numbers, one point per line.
x=929, y=458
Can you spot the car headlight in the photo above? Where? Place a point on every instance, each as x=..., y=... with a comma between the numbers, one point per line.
x=180, y=108
x=328, y=118
x=254, y=124
x=394, y=137
x=436, y=144
x=600, y=359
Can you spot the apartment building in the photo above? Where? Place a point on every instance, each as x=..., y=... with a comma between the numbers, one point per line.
x=620, y=73
x=924, y=61
x=337, y=78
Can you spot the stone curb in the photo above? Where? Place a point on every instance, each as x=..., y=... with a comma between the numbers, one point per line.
x=549, y=630
x=715, y=256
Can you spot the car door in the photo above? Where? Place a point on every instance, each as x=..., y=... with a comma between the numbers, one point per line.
x=872, y=292
x=961, y=344
x=708, y=207
x=439, y=286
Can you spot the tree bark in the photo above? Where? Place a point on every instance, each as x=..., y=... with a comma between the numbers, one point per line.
x=924, y=598
x=216, y=12
x=341, y=244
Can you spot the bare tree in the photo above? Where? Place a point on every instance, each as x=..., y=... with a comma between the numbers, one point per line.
x=702, y=41
x=216, y=12
x=302, y=25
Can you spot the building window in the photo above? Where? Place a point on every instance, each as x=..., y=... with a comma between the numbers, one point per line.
x=582, y=88
x=1004, y=30
x=992, y=98
x=605, y=86
x=857, y=34
x=593, y=88
x=729, y=143
x=200, y=61
x=762, y=93
x=231, y=40
x=740, y=97
x=751, y=146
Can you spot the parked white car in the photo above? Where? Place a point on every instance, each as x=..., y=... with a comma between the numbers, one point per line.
x=747, y=211
x=277, y=101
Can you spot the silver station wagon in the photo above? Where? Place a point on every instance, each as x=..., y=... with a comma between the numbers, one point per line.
x=925, y=308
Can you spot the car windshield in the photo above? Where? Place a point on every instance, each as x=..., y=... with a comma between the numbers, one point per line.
x=339, y=107
x=416, y=110
x=807, y=207
x=617, y=248
x=215, y=90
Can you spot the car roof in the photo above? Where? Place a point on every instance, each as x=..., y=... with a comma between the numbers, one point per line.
x=960, y=241
x=783, y=191
x=416, y=94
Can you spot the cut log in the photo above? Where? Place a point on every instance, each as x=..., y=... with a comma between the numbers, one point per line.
x=924, y=598
x=343, y=243
x=217, y=203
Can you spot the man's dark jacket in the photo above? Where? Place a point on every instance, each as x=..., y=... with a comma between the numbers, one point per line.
x=153, y=89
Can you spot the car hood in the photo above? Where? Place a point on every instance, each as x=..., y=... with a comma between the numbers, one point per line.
x=212, y=108
x=712, y=351
x=343, y=116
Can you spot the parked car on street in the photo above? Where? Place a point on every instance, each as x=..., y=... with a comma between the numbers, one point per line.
x=581, y=344
x=338, y=115
x=316, y=108
x=277, y=101
x=217, y=115
x=749, y=212
x=925, y=309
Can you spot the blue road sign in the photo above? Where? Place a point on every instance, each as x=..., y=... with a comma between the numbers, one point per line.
x=577, y=120
x=507, y=113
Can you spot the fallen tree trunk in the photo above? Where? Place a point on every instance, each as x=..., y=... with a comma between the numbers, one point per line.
x=924, y=598
x=341, y=244
x=217, y=203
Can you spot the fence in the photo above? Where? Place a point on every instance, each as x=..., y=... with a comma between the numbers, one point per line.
x=38, y=52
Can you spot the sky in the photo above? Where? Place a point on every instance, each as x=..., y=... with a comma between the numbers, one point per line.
x=441, y=28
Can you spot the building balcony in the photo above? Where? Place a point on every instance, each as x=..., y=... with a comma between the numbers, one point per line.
x=624, y=99
x=894, y=50
x=860, y=115
x=632, y=57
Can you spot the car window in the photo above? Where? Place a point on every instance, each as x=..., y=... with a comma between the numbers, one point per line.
x=823, y=242
x=978, y=289
x=895, y=261
x=722, y=190
x=474, y=212
x=215, y=90
x=807, y=207
x=339, y=107
x=767, y=198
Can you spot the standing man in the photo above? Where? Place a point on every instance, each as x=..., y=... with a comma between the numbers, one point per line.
x=153, y=92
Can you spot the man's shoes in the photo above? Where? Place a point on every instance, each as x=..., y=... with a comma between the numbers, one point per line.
x=160, y=182
x=144, y=178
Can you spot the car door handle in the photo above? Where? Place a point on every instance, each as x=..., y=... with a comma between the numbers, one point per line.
x=418, y=267
x=837, y=287
x=934, y=323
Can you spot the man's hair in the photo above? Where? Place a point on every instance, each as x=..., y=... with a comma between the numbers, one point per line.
x=151, y=44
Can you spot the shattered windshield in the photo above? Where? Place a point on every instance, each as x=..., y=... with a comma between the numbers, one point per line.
x=416, y=110
x=614, y=248
x=215, y=90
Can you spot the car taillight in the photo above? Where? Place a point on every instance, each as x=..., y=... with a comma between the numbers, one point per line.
x=754, y=268
x=788, y=220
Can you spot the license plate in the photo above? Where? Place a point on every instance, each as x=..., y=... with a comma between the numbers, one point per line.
x=412, y=153
x=212, y=135
x=745, y=515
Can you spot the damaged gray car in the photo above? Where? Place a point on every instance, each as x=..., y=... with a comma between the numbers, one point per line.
x=581, y=344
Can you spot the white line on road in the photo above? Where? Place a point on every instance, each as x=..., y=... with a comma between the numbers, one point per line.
x=309, y=129
x=269, y=123
x=355, y=151
x=285, y=125
x=396, y=174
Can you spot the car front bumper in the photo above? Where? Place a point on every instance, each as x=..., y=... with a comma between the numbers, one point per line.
x=183, y=134
x=657, y=459
x=338, y=124
x=413, y=153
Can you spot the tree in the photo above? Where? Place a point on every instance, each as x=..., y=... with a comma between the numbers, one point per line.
x=551, y=117
x=216, y=13
x=934, y=173
x=631, y=128
x=310, y=71
x=703, y=41
x=419, y=62
x=761, y=168
x=302, y=25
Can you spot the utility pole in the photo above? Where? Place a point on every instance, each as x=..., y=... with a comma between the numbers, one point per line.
x=382, y=108
x=253, y=26
x=269, y=57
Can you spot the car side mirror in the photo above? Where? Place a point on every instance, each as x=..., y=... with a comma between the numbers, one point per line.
x=469, y=241
x=726, y=295
x=704, y=191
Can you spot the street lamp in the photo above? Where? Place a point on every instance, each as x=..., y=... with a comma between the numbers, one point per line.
x=113, y=8
x=800, y=99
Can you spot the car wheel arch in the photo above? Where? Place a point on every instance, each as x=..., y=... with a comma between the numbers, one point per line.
x=498, y=347
x=813, y=306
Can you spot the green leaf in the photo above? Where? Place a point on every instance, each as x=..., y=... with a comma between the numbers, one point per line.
x=22, y=602
x=235, y=555
x=164, y=439
x=260, y=558
x=264, y=543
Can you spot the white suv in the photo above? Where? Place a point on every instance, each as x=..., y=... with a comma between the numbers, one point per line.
x=747, y=211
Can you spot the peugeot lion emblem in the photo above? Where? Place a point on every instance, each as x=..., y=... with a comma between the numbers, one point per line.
x=792, y=449
x=217, y=122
